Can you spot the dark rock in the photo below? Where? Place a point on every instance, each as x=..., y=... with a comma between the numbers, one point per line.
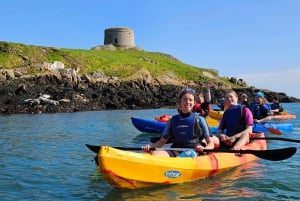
x=73, y=96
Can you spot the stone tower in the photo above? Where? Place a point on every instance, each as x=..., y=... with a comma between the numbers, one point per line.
x=119, y=36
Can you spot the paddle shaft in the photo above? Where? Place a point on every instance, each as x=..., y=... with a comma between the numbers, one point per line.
x=154, y=139
x=273, y=155
x=274, y=138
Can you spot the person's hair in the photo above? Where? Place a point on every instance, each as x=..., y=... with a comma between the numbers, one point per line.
x=231, y=92
x=244, y=96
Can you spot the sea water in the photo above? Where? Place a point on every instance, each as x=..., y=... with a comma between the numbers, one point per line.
x=44, y=157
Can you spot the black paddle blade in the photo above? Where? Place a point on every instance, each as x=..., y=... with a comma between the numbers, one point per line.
x=271, y=154
x=275, y=154
x=93, y=148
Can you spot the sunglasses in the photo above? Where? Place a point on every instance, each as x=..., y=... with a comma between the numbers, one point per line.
x=189, y=90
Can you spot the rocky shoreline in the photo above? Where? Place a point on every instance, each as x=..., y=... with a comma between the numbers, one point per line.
x=62, y=92
x=50, y=96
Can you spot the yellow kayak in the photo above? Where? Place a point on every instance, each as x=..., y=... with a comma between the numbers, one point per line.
x=211, y=122
x=132, y=170
x=215, y=114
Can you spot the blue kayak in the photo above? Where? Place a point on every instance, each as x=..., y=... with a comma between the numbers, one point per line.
x=278, y=126
x=154, y=126
x=147, y=125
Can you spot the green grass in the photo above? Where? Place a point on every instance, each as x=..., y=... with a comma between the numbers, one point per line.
x=120, y=63
x=124, y=63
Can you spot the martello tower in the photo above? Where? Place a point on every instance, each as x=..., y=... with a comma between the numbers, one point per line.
x=119, y=36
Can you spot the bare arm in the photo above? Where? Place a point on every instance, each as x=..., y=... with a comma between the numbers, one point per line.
x=205, y=128
x=210, y=143
x=263, y=120
x=157, y=144
x=161, y=142
x=245, y=131
x=208, y=95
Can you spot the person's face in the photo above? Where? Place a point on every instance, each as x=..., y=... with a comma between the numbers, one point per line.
x=200, y=98
x=230, y=99
x=258, y=99
x=187, y=102
x=244, y=98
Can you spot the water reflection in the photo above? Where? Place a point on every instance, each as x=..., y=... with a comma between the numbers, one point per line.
x=224, y=186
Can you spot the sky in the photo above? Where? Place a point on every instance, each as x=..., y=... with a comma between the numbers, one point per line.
x=255, y=40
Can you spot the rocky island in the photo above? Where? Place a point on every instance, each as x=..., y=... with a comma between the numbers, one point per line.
x=37, y=79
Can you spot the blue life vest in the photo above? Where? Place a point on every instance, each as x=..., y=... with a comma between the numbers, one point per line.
x=260, y=111
x=184, y=131
x=233, y=120
x=277, y=106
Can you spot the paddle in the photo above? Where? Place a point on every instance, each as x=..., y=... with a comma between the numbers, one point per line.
x=274, y=131
x=274, y=138
x=155, y=139
x=273, y=155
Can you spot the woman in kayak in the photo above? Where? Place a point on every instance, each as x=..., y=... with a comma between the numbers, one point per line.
x=260, y=109
x=237, y=120
x=186, y=129
x=202, y=105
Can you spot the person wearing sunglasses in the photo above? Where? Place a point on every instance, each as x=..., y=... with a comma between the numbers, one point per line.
x=186, y=129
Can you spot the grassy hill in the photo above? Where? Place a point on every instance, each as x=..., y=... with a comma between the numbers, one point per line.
x=119, y=62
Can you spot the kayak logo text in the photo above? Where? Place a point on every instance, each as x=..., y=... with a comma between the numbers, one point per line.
x=172, y=174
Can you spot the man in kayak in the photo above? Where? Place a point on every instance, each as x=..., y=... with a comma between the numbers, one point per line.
x=186, y=129
x=244, y=100
x=260, y=109
x=237, y=120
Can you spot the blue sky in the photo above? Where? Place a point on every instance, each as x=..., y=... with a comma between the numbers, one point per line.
x=256, y=40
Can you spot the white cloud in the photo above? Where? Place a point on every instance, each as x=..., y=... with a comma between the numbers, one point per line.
x=286, y=81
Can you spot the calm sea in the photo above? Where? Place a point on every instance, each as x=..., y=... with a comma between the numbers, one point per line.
x=43, y=157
